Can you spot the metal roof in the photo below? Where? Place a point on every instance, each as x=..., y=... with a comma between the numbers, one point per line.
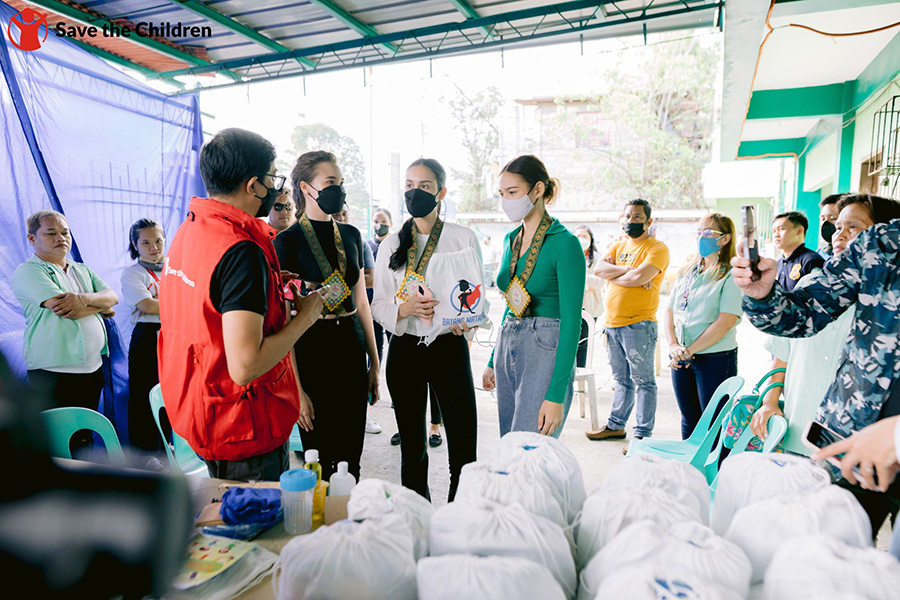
x=265, y=39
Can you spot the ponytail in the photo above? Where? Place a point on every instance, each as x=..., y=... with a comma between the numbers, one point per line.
x=398, y=258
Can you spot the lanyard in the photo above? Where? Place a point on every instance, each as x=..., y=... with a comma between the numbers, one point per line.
x=531, y=257
x=430, y=245
x=319, y=254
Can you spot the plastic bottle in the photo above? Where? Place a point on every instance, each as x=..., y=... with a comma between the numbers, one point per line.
x=312, y=463
x=342, y=482
x=297, y=488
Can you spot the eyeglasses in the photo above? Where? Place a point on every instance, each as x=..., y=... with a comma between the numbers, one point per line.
x=277, y=180
x=280, y=206
x=708, y=233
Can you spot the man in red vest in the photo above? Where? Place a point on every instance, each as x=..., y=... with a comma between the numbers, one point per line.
x=226, y=365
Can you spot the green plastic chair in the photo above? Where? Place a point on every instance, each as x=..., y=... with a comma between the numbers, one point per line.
x=63, y=423
x=777, y=428
x=696, y=448
x=180, y=453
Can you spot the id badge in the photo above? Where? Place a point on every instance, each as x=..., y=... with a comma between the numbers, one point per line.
x=679, y=332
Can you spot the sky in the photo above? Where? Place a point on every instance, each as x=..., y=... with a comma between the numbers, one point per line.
x=400, y=108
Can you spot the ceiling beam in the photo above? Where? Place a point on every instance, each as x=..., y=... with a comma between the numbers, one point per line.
x=198, y=8
x=814, y=101
x=469, y=12
x=367, y=31
x=883, y=69
x=514, y=36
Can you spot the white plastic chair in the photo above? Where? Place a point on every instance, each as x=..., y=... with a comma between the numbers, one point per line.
x=584, y=376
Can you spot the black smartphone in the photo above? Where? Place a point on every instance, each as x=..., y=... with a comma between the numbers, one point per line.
x=751, y=241
x=818, y=436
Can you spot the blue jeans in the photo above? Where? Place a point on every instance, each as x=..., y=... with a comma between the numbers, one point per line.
x=524, y=360
x=694, y=385
x=632, y=352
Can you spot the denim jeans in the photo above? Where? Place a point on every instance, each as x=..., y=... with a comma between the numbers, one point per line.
x=632, y=352
x=695, y=384
x=523, y=367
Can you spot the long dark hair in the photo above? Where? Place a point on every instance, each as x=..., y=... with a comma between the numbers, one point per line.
x=305, y=170
x=135, y=231
x=532, y=169
x=398, y=258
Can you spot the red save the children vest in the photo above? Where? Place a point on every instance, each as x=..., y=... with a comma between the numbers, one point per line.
x=220, y=419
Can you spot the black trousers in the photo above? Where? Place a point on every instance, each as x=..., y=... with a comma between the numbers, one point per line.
x=332, y=364
x=263, y=467
x=143, y=374
x=69, y=389
x=445, y=367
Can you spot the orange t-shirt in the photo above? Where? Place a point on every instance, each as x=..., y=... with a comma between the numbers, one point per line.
x=629, y=305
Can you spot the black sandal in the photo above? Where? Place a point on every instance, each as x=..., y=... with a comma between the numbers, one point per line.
x=435, y=440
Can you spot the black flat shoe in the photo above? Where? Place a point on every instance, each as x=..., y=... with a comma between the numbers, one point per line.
x=395, y=439
x=435, y=440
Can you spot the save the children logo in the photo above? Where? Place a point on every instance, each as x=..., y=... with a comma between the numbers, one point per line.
x=465, y=297
x=28, y=23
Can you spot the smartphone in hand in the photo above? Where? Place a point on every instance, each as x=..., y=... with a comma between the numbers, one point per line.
x=424, y=292
x=818, y=436
x=751, y=242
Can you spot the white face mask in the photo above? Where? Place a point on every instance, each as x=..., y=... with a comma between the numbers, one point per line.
x=585, y=243
x=517, y=209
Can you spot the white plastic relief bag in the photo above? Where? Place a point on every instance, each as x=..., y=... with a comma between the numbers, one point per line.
x=687, y=548
x=607, y=512
x=545, y=458
x=650, y=468
x=510, y=485
x=466, y=577
x=350, y=560
x=764, y=527
x=485, y=528
x=823, y=567
x=649, y=582
x=377, y=498
x=751, y=477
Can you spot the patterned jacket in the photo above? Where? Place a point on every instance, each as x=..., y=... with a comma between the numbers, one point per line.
x=866, y=273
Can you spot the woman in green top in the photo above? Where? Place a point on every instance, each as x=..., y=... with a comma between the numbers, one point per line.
x=542, y=274
x=704, y=308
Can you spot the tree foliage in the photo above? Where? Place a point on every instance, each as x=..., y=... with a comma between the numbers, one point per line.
x=318, y=136
x=475, y=118
x=658, y=121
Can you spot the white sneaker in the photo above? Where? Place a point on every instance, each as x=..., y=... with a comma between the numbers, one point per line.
x=372, y=426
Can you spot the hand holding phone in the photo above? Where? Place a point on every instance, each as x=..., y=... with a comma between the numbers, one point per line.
x=751, y=243
x=818, y=436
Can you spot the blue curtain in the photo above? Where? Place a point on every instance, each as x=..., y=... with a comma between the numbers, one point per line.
x=81, y=137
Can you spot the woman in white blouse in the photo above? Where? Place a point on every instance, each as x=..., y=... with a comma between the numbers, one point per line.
x=430, y=265
x=140, y=287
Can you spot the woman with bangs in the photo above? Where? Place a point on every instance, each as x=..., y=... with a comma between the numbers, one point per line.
x=704, y=310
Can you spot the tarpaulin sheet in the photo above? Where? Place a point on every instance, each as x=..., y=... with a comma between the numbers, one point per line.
x=84, y=138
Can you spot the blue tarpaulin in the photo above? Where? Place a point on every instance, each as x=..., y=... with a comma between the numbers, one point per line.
x=81, y=137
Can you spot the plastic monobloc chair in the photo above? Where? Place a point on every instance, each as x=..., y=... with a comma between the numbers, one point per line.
x=180, y=453
x=63, y=423
x=704, y=434
x=777, y=428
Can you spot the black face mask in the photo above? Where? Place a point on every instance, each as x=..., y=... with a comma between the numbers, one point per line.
x=828, y=230
x=634, y=230
x=331, y=199
x=382, y=230
x=267, y=201
x=419, y=203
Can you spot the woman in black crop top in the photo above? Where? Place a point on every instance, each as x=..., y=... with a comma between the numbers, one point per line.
x=331, y=355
